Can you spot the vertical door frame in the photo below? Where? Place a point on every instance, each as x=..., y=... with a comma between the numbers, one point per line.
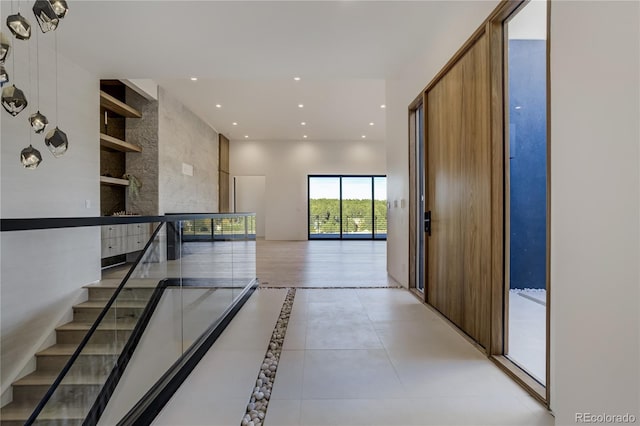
x=500, y=180
x=414, y=167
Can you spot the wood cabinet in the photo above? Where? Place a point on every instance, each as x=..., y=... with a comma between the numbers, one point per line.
x=122, y=239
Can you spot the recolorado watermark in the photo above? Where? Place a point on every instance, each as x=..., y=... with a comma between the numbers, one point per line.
x=605, y=418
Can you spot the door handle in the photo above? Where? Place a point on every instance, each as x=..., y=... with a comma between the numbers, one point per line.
x=427, y=222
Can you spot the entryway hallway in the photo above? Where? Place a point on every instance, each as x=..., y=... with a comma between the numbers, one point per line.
x=351, y=356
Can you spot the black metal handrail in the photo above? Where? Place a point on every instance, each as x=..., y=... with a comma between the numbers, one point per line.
x=32, y=223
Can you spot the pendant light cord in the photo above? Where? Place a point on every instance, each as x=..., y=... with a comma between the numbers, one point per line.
x=13, y=57
x=30, y=86
x=38, y=67
x=57, y=115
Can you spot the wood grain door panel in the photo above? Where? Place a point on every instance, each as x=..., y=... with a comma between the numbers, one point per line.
x=459, y=193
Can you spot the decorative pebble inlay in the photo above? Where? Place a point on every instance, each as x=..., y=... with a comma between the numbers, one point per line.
x=257, y=406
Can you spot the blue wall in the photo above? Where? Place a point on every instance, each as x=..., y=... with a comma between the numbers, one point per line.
x=528, y=162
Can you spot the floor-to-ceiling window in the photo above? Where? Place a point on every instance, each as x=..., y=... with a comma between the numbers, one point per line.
x=347, y=207
x=526, y=188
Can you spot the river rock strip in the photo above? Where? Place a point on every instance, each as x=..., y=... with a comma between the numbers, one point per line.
x=261, y=393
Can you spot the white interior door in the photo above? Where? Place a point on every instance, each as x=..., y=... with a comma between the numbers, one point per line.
x=248, y=195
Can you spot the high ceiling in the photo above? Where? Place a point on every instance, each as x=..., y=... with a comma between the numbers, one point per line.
x=245, y=55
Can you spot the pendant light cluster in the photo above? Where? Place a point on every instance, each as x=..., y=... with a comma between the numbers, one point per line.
x=48, y=14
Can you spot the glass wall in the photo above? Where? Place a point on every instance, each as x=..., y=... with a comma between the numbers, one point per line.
x=324, y=207
x=347, y=207
x=526, y=190
x=380, y=208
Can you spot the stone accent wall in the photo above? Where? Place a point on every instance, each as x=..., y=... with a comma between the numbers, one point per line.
x=185, y=139
x=143, y=165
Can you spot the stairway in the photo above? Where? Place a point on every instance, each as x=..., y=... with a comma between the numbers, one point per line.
x=77, y=392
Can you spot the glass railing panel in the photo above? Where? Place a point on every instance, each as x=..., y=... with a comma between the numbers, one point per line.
x=199, y=288
x=148, y=315
x=244, y=256
x=103, y=334
x=215, y=271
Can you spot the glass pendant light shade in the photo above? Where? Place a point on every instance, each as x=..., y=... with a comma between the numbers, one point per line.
x=38, y=122
x=45, y=15
x=5, y=47
x=4, y=75
x=30, y=157
x=57, y=142
x=13, y=100
x=59, y=7
x=19, y=26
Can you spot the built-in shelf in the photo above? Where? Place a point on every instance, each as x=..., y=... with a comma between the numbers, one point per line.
x=104, y=180
x=109, y=142
x=114, y=105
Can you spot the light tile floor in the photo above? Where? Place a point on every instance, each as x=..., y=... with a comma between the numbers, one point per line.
x=218, y=389
x=352, y=357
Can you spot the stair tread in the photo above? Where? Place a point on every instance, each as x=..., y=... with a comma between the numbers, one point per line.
x=131, y=284
x=80, y=326
x=100, y=304
x=21, y=411
x=92, y=349
x=39, y=378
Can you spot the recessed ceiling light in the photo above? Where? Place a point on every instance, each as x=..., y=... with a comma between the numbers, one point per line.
x=296, y=78
x=383, y=106
x=218, y=106
x=304, y=136
x=194, y=78
x=300, y=106
x=518, y=107
x=364, y=136
x=303, y=123
x=371, y=124
x=246, y=136
x=234, y=123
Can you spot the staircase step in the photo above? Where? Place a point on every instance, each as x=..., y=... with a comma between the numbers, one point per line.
x=16, y=414
x=46, y=379
x=68, y=350
x=135, y=289
x=79, y=389
x=105, y=325
x=121, y=309
x=106, y=333
x=92, y=357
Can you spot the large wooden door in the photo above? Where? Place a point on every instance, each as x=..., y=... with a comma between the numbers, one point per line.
x=459, y=193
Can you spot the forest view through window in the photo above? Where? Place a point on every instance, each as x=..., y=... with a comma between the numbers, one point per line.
x=347, y=207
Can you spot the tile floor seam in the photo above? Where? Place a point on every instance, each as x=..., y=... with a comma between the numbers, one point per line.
x=304, y=350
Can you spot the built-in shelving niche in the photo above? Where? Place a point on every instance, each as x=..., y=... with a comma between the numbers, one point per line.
x=114, y=113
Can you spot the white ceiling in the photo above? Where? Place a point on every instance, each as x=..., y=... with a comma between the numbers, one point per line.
x=268, y=109
x=246, y=53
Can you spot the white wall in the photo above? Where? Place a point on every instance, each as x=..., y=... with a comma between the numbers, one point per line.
x=286, y=165
x=184, y=139
x=42, y=272
x=595, y=105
